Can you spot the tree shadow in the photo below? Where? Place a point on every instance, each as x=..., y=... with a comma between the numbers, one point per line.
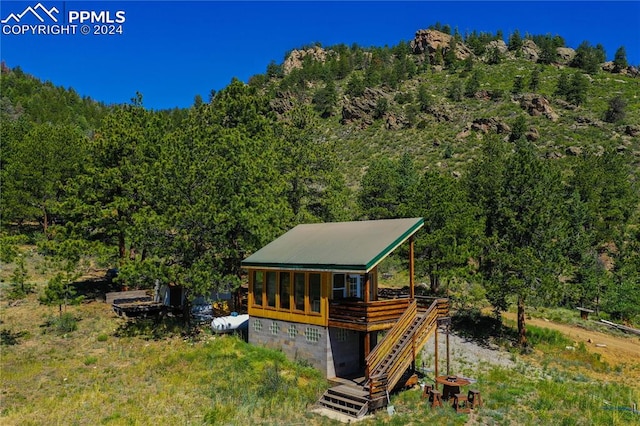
x=95, y=288
x=484, y=330
x=158, y=327
x=11, y=338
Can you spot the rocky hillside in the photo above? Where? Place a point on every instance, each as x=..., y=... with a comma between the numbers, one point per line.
x=439, y=95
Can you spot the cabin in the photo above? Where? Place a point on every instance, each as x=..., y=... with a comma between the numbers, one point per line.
x=313, y=293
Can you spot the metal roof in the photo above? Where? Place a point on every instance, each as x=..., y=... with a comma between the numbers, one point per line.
x=338, y=246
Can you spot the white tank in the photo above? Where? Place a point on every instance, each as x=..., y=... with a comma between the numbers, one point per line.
x=228, y=324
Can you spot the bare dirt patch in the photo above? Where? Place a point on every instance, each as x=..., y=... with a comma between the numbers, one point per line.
x=620, y=352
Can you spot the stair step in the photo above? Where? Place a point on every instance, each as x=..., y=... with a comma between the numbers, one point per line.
x=356, y=399
x=341, y=408
x=343, y=399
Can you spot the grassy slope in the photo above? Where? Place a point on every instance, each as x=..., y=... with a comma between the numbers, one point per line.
x=356, y=147
x=110, y=371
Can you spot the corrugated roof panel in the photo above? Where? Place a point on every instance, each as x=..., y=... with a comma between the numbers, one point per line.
x=339, y=246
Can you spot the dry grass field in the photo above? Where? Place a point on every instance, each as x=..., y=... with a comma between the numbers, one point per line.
x=97, y=368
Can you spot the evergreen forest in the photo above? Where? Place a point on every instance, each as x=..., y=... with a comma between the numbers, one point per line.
x=525, y=169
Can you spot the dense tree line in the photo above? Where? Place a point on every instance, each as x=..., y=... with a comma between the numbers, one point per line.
x=175, y=197
x=537, y=238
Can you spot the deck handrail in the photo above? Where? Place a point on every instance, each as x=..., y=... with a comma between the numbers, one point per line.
x=365, y=312
x=420, y=328
x=378, y=354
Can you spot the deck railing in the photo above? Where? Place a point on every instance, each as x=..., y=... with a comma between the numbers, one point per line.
x=367, y=313
x=390, y=359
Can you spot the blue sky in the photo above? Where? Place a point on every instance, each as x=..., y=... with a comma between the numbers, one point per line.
x=171, y=51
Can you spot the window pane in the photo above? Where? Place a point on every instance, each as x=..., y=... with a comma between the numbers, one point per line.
x=258, y=279
x=298, y=296
x=353, y=282
x=271, y=289
x=285, y=290
x=314, y=292
x=338, y=286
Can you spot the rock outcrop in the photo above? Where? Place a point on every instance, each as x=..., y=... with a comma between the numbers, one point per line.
x=532, y=135
x=632, y=130
x=295, y=58
x=536, y=105
x=530, y=50
x=362, y=107
x=428, y=41
x=282, y=103
x=565, y=55
x=486, y=125
x=498, y=44
x=395, y=122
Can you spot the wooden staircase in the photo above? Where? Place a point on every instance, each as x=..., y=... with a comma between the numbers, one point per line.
x=389, y=362
x=347, y=400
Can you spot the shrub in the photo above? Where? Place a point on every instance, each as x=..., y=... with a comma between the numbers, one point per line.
x=90, y=360
x=65, y=323
x=616, y=111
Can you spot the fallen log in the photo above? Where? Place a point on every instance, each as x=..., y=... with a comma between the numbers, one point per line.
x=621, y=327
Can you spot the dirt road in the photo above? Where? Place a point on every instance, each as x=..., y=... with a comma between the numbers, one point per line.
x=617, y=351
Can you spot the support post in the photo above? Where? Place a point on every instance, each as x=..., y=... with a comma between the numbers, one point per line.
x=436, y=350
x=412, y=291
x=448, y=352
x=367, y=288
x=367, y=350
x=367, y=344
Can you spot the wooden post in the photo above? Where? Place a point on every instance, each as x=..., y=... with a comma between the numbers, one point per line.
x=374, y=284
x=367, y=344
x=367, y=288
x=448, y=352
x=412, y=292
x=436, y=351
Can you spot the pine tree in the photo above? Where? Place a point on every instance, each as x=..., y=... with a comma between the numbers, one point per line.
x=534, y=83
x=620, y=59
x=518, y=85
x=518, y=129
x=563, y=87
x=579, y=87
x=525, y=225
x=616, y=111
x=515, y=41
x=424, y=98
x=473, y=85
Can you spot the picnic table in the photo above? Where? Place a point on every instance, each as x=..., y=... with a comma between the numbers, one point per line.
x=451, y=385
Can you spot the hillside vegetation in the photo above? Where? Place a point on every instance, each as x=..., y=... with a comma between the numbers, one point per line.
x=522, y=156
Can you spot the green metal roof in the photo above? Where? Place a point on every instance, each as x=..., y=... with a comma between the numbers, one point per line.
x=340, y=246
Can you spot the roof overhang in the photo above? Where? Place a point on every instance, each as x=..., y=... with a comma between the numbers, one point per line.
x=339, y=246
